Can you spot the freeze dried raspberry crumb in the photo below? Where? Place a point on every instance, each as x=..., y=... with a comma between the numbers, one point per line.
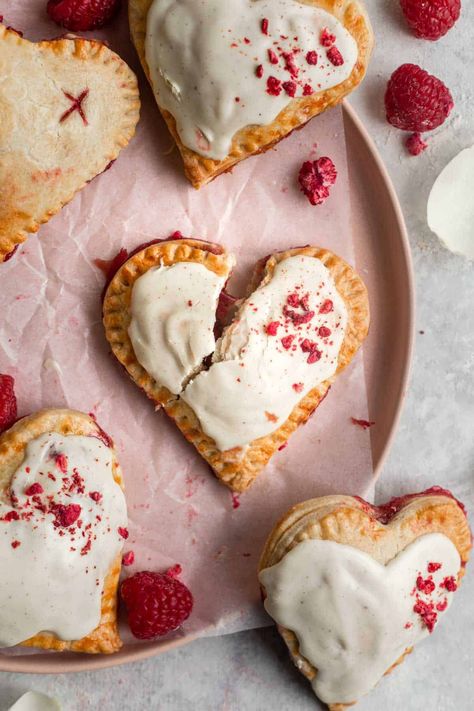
x=324, y=331
x=415, y=144
x=425, y=585
x=327, y=39
x=8, y=411
x=286, y=342
x=272, y=328
x=314, y=356
x=128, y=558
x=82, y=15
x=259, y=71
x=123, y=532
x=34, y=489
x=431, y=20
x=272, y=58
x=308, y=90
x=415, y=100
x=273, y=86
x=326, y=307
x=61, y=462
x=307, y=346
x=235, y=500
x=312, y=57
x=441, y=606
x=433, y=567
x=297, y=387
x=335, y=57
x=427, y=613
x=365, y=424
x=290, y=88
x=315, y=177
x=264, y=26
x=175, y=571
x=95, y=495
x=156, y=603
x=11, y=516
x=293, y=300
x=15, y=544
x=449, y=584
x=65, y=516
x=290, y=64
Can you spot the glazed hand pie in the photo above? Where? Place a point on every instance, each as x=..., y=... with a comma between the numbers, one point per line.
x=239, y=399
x=67, y=108
x=353, y=587
x=63, y=522
x=233, y=78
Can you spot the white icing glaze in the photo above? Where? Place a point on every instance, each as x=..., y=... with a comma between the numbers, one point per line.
x=173, y=314
x=34, y=701
x=255, y=382
x=354, y=617
x=203, y=70
x=53, y=575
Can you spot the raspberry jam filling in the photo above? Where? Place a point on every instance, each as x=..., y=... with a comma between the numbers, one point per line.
x=385, y=512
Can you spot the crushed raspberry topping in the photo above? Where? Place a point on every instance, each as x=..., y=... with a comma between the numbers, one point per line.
x=259, y=71
x=272, y=328
x=324, y=331
x=441, y=606
x=11, y=516
x=315, y=178
x=426, y=610
x=335, y=57
x=82, y=15
x=449, y=583
x=308, y=90
x=8, y=408
x=95, y=495
x=15, y=544
x=65, y=515
x=298, y=387
x=123, y=532
x=326, y=307
x=312, y=57
x=286, y=341
x=76, y=105
x=34, y=489
x=128, y=558
x=273, y=86
x=415, y=100
x=415, y=144
x=156, y=603
x=264, y=26
x=61, y=462
x=431, y=20
x=425, y=585
x=433, y=567
x=272, y=57
x=290, y=87
x=365, y=424
x=327, y=38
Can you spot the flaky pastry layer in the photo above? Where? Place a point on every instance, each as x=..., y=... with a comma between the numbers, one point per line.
x=46, y=154
x=105, y=638
x=352, y=522
x=257, y=139
x=236, y=468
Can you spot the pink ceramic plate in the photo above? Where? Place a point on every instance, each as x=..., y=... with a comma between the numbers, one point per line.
x=383, y=259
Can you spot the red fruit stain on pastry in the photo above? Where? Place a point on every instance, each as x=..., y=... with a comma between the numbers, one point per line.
x=8, y=405
x=415, y=144
x=431, y=20
x=315, y=178
x=415, y=100
x=156, y=603
x=82, y=15
x=365, y=424
x=385, y=512
x=235, y=500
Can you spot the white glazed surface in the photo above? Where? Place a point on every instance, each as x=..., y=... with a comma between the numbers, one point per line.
x=173, y=314
x=257, y=382
x=354, y=617
x=34, y=701
x=64, y=567
x=203, y=57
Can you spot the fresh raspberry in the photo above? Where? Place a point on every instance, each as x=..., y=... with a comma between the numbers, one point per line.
x=415, y=144
x=157, y=603
x=8, y=411
x=431, y=20
x=315, y=177
x=82, y=15
x=415, y=100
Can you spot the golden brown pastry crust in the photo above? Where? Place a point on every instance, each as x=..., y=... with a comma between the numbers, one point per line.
x=352, y=522
x=105, y=638
x=236, y=468
x=41, y=169
x=257, y=139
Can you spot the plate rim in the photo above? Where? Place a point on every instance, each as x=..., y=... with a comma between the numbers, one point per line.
x=58, y=662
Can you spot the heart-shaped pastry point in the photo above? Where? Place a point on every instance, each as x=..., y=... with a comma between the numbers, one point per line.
x=305, y=318
x=352, y=596
x=67, y=107
x=62, y=524
x=220, y=66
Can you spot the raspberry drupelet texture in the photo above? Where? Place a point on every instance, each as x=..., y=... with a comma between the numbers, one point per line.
x=315, y=178
x=8, y=411
x=415, y=100
x=157, y=603
x=431, y=19
x=82, y=15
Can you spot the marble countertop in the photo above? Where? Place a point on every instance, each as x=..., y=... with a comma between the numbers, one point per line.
x=250, y=671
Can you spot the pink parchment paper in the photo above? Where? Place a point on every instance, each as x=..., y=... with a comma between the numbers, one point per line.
x=52, y=341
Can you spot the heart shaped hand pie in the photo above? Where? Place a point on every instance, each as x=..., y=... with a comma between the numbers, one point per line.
x=353, y=587
x=233, y=78
x=67, y=107
x=63, y=521
x=304, y=319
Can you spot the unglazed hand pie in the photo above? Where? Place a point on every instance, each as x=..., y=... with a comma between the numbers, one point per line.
x=305, y=317
x=67, y=107
x=233, y=78
x=63, y=522
x=353, y=587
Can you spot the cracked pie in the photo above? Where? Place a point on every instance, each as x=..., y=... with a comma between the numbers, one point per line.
x=67, y=108
x=63, y=523
x=353, y=587
x=237, y=399
x=233, y=78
